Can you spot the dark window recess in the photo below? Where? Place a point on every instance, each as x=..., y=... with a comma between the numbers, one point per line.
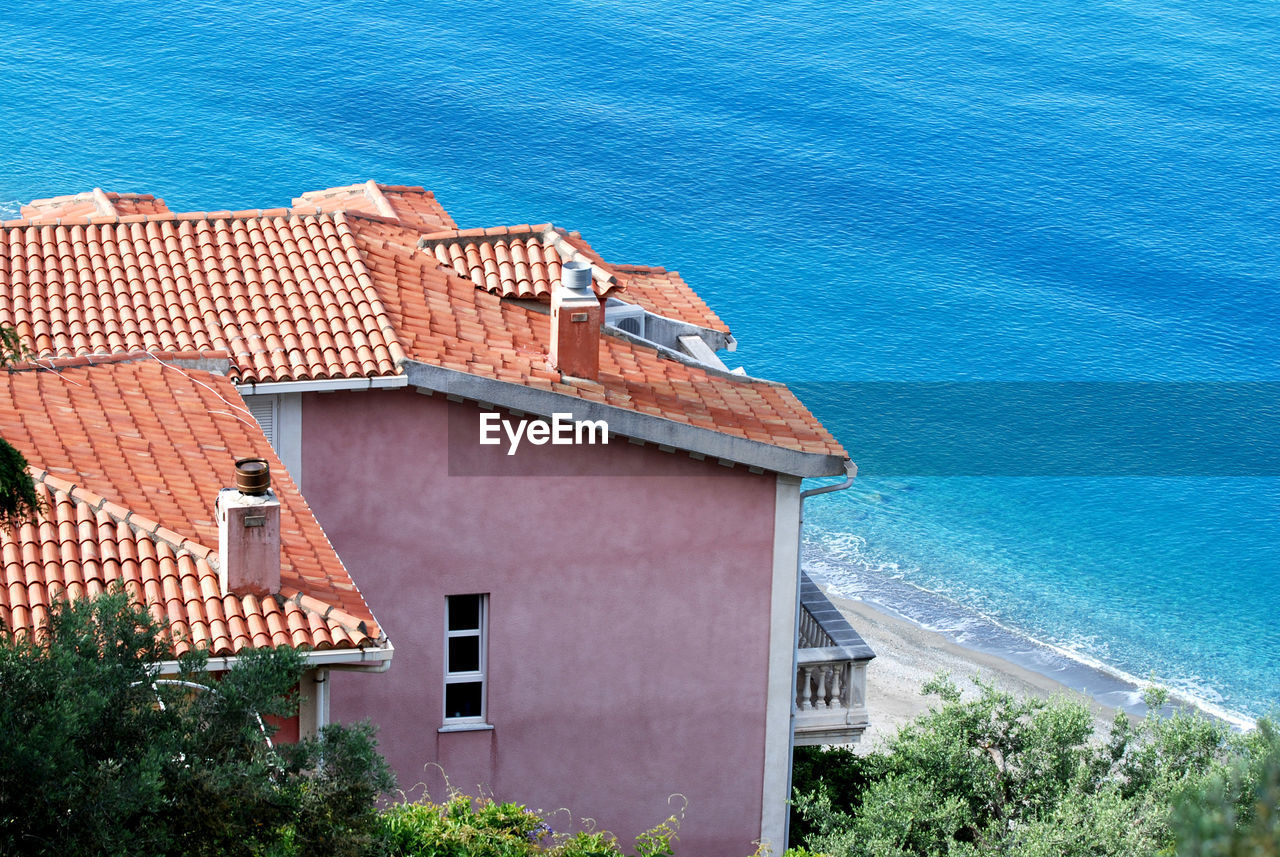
x=464, y=612
x=463, y=699
x=464, y=655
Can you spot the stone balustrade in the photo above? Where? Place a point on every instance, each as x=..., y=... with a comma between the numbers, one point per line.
x=831, y=673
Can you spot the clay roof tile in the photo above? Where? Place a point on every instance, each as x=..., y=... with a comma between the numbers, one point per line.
x=125, y=519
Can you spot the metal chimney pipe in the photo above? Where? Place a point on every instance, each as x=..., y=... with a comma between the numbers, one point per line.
x=253, y=476
x=576, y=275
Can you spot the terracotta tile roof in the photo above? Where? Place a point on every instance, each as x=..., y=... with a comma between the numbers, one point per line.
x=666, y=293
x=412, y=205
x=524, y=262
x=351, y=294
x=129, y=455
x=513, y=261
x=445, y=321
x=287, y=297
x=92, y=203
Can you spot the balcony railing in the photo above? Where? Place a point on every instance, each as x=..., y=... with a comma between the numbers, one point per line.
x=831, y=673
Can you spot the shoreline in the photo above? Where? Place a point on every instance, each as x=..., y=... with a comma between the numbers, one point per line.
x=908, y=655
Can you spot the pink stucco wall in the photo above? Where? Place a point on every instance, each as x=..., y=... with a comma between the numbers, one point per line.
x=629, y=614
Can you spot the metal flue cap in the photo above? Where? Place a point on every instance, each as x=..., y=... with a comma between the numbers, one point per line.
x=253, y=476
x=576, y=275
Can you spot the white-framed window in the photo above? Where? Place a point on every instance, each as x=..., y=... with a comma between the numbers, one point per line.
x=465, y=658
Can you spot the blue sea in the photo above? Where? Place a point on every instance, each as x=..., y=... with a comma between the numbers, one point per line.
x=943, y=191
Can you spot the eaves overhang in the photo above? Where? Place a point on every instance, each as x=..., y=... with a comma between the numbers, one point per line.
x=657, y=430
x=323, y=385
x=376, y=658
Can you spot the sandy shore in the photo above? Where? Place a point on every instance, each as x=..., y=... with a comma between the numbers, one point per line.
x=907, y=656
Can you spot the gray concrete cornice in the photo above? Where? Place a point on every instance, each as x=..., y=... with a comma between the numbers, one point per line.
x=623, y=422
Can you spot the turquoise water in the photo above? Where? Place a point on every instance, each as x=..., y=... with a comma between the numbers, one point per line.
x=891, y=192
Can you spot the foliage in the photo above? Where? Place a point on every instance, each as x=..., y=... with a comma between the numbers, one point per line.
x=464, y=826
x=18, y=499
x=1001, y=775
x=12, y=348
x=98, y=758
x=461, y=826
x=1237, y=813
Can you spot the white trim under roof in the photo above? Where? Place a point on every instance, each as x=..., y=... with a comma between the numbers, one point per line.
x=373, y=659
x=323, y=385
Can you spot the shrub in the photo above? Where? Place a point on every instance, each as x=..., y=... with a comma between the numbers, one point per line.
x=98, y=759
x=1237, y=812
x=1001, y=775
x=464, y=826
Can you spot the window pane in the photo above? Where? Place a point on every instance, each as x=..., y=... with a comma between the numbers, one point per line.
x=464, y=612
x=463, y=699
x=464, y=655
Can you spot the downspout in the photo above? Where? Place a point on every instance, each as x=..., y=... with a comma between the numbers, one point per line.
x=322, y=699
x=850, y=471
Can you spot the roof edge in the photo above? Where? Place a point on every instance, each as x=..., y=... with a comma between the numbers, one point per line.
x=322, y=385
x=374, y=658
x=176, y=216
x=627, y=423
x=331, y=615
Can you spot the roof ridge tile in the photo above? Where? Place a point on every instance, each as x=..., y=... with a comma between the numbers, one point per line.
x=81, y=361
x=379, y=200
x=347, y=237
x=176, y=542
x=556, y=237
x=102, y=203
x=447, y=235
x=165, y=216
x=640, y=269
x=366, y=215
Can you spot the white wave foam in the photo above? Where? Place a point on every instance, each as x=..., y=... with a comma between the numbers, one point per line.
x=1200, y=696
x=966, y=625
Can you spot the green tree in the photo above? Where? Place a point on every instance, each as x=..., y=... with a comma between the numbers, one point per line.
x=1001, y=775
x=99, y=758
x=1237, y=811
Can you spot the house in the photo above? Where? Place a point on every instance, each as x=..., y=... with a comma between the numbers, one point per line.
x=617, y=628
x=134, y=456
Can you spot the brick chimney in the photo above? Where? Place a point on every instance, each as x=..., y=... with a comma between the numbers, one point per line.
x=249, y=532
x=576, y=314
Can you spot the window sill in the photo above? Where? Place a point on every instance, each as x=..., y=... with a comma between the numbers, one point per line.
x=466, y=727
